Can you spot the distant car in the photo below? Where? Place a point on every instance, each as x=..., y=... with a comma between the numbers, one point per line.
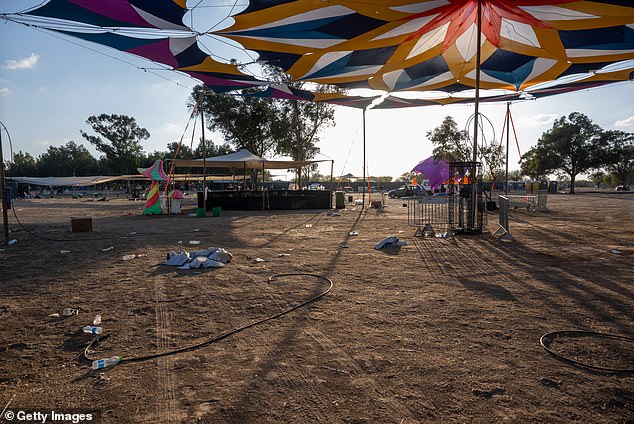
x=623, y=188
x=406, y=191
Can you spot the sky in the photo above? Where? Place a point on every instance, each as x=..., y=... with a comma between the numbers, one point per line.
x=50, y=84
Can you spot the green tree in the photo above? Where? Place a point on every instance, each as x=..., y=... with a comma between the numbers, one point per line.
x=515, y=175
x=245, y=122
x=22, y=165
x=570, y=146
x=122, y=145
x=406, y=177
x=450, y=143
x=69, y=160
x=617, y=154
x=298, y=127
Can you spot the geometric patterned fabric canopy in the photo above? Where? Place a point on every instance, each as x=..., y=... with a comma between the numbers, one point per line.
x=529, y=48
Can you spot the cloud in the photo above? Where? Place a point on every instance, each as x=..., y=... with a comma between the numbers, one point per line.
x=22, y=63
x=627, y=122
x=4, y=92
x=541, y=119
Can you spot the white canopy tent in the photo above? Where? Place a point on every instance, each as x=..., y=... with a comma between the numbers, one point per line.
x=243, y=159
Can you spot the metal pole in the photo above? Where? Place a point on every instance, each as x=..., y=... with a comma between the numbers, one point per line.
x=204, y=151
x=5, y=203
x=476, y=120
x=332, y=181
x=364, y=162
x=508, y=129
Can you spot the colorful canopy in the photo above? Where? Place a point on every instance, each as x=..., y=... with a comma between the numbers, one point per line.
x=154, y=172
x=388, y=45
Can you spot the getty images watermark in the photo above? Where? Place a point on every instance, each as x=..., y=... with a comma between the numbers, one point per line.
x=50, y=416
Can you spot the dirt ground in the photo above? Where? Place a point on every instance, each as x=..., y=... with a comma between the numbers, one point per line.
x=441, y=330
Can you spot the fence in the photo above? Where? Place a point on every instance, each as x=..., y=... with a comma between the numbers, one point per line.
x=444, y=214
x=529, y=201
x=429, y=214
x=503, y=209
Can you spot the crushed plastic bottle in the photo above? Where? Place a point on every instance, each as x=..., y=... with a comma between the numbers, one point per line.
x=70, y=311
x=96, y=320
x=92, y=329
x=103, y=363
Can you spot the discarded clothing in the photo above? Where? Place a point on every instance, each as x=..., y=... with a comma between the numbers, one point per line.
x=390, y=242
x=212, y=257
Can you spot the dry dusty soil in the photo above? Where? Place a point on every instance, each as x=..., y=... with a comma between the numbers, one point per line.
x=440, y=330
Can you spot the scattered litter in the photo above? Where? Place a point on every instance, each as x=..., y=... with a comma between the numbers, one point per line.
x=177, y=259
x=92, y=329
x=358, y=202
x=195, y=230
x=353, y=233
x=344, y=245
x=128, y=257
x=12, y=242
x=132, y=233
x=283, y=254
x=194, y=242
x=54, y=315
x=309, y=225
x=401, y=231
x=63, y=252
x=615, y=251
x=107, y=249
x=212, y=257
x=333, y=213
x=70, y=311
x=360, y=302
x=389, y=243
x=202, y=262
x=96, y=320
x=259, y=260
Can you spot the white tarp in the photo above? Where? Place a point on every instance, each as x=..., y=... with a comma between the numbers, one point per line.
x=65, y=181
x=240, y=160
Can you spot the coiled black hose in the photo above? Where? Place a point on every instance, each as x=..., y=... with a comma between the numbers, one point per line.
x=548, y=338
x=222, y=336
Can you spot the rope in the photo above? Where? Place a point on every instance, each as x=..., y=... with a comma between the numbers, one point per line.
x=223, y=335
x=547, y=339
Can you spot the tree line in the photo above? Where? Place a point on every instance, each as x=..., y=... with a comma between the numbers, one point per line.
x=574, y=145
x=265, y=127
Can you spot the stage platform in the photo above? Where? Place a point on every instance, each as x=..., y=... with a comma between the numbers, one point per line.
x=254, y=200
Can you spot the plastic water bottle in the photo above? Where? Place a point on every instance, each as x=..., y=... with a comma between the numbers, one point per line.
x=96, y=320
x=92, y=329
x=103, y=363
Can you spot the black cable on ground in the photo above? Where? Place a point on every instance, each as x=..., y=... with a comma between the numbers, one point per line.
x=548, y=338
x=223, y=335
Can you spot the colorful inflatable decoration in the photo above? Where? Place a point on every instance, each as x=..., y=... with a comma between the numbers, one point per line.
x=436, y=171
x=156, y=174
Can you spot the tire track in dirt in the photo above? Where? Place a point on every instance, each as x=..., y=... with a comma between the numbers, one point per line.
x=300, y=389
x=347, y=364
x=166, y=407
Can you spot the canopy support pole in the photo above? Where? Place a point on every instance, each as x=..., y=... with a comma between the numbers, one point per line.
x=364, y=161
x=204, y=151
x=476, y=120
x=508, y=135
x=3, y=194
